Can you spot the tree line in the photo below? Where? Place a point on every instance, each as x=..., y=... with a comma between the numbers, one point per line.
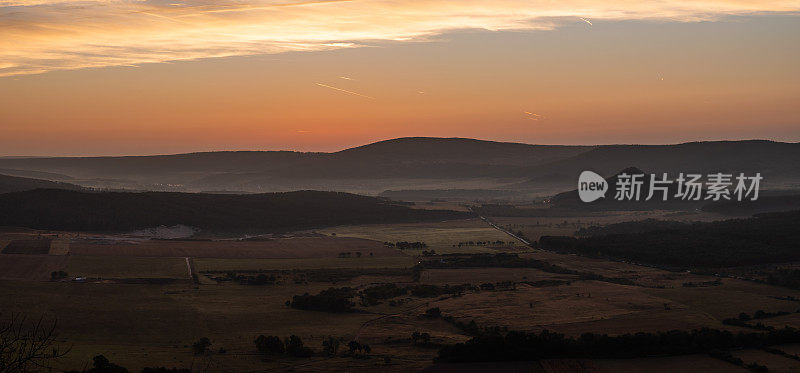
x=520, y=346
x=765, y=238
x=53, y=209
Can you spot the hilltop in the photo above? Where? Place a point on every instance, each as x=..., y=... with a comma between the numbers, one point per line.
x=416, y=164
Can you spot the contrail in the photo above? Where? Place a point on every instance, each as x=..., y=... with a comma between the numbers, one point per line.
x=587, y=21
x=165, y=17
x=345, y=91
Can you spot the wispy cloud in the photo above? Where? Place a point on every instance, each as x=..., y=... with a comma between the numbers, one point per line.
x=533, y=116
x=43, y=35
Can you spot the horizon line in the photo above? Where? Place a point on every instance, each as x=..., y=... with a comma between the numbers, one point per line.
x=6, y=157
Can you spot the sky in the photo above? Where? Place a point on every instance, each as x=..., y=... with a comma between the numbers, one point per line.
x=110, y=77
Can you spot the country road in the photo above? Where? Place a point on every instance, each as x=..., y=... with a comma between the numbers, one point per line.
x=189, y=267
x=493, y=225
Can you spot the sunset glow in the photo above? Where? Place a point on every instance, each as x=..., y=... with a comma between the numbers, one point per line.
x=322, y=75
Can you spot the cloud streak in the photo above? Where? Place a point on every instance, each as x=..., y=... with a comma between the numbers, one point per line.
x=43, y=35
x=345, y=91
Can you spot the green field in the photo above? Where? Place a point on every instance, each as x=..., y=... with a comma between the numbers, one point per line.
x=443, y=237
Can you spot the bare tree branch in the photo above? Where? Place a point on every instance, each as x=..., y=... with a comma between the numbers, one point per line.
x=28, y=346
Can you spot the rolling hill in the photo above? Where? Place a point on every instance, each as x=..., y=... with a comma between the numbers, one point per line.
x=17, y=184
x=408, y=157
x=57, y=209
x=768, y=201
x=776, y=161
x=570, y=199
x=419, y=163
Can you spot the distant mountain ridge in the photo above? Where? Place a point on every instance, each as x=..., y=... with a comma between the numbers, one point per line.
x=416, y=163
x=749, y=156
x=414, y=151
x=10, y=184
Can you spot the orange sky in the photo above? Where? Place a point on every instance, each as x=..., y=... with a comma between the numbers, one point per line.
x=145, y=77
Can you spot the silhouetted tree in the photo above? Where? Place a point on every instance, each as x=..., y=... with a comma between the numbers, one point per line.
x=166, y=370
x=434, y=312
x=25, y=346
x=102, y=365
x=201, y=346
x=271, y=344
x=354, y=346
x=420, y=338
x=294, y=347
x=330, y=346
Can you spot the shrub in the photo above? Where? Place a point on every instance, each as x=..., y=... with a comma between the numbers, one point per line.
x=271, y=344
x=294, y=347
x=201, y=346
x=331, y=300
x=433, y=312
x=330, y=346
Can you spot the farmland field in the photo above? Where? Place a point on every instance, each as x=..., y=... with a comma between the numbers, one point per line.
x=116, y=312
x=443, y=237
x=30, y=246
x=126, y=267
x=294, y=247
x=212, y=264
x=30, y=267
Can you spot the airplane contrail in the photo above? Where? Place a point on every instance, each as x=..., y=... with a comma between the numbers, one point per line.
x=345, y=91
x=587, y=21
